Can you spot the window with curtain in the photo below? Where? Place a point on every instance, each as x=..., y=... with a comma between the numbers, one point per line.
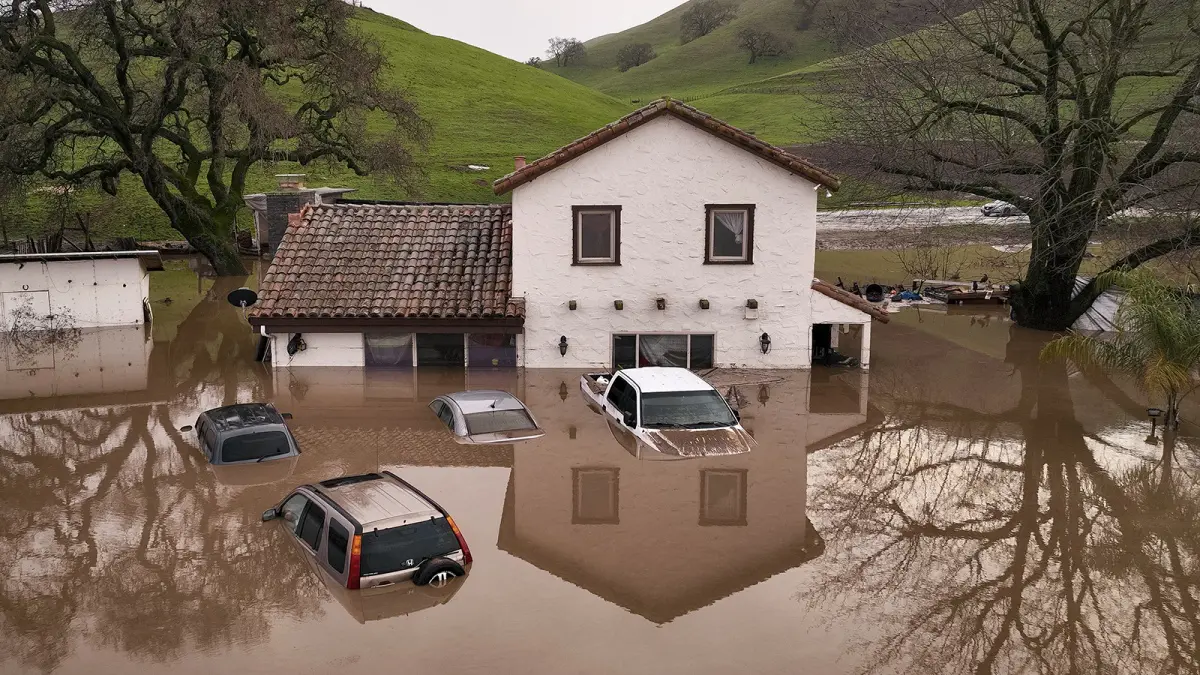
x=672, y=350
x=730, y=233
x=388, y=350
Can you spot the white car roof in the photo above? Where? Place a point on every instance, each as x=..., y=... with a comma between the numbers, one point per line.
x=485, y=400
x=656, y=380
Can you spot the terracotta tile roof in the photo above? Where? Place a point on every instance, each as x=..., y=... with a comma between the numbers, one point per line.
x=362, y=261
x=682, y=111
x=847, y=298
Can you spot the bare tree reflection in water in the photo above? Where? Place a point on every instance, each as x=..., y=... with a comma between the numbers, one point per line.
x=1050, y=552
x=116, y=533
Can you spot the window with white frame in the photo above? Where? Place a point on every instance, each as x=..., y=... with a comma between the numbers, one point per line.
x=679, y=350
x=730, y=234
x=597, y=235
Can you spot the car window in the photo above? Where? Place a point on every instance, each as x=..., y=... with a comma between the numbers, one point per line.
x=385, y=551
x=625, y=399
x=617, y=390
x=292, y=510
x=689, y=409
x=339, y=539
x=446, y=415
x=494, y=421
x=255, y=446
x=311, y=524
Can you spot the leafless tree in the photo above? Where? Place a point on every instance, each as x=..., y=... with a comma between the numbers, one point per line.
x=761, y=43
x=634, y=55
x=1073, y=110
x=930, y=262
x=703, y=18
x=535, y=61
x=566, y=51
x=189, y=95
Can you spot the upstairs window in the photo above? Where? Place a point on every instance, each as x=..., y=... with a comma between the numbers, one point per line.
x=597, y=235
x=730, y=234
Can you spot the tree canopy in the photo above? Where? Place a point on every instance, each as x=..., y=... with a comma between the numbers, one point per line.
x=187, y=95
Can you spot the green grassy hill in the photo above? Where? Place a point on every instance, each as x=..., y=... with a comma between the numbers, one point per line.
x=704, y=66
x=483, y=108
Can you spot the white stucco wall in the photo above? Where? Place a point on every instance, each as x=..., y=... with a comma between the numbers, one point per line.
x=662, y=175
x=95, y=293
x=827, y=310
x=341, y=350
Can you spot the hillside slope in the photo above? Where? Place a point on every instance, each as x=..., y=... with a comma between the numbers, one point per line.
x=705, y=65
x=483, y=109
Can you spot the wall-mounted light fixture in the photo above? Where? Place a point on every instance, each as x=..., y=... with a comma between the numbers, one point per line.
x=572, y=432
x=704, y=304
x=562, y=391
x=764, y=393
x=752, y=309
x=764, y=343
x=572, y=305
x=562, y=345
x=619, y=304
x=661, y=303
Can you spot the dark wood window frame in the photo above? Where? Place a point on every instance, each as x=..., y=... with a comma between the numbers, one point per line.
x=576, y=224
x=708, y=233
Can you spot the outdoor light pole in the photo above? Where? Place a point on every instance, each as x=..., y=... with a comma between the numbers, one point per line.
x=1154, y=414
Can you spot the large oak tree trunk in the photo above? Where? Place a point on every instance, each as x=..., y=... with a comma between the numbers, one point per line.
x=1043, y=299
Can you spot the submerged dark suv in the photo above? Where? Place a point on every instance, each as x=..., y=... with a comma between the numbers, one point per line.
x=246, y=432
x=374, y=530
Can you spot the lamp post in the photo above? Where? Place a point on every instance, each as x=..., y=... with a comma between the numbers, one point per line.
x=1154, y=414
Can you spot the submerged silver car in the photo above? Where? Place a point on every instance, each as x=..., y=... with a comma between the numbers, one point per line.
x=486, y=416
x=374, y=530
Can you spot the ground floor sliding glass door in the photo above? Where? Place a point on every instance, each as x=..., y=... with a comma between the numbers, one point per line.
x=679, y=350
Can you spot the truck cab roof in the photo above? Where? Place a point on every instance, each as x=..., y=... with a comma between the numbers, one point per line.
x=659, y=379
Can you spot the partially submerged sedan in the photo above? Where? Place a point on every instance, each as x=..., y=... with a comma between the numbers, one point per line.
x=486, y=416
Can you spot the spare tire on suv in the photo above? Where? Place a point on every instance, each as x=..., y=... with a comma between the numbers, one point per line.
x=437, y=571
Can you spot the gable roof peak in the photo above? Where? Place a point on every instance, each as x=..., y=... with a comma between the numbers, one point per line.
x=682, y=111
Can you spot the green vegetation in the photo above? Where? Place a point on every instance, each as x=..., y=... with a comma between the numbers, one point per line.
x=484, y=109
x=1157, y=341
x=705, y=66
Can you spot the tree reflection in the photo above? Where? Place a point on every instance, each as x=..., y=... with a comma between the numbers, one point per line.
x=117, y=533
x=1051, y=552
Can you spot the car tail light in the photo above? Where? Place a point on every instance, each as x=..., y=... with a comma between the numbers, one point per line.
x=462, y=543
x=355, y=562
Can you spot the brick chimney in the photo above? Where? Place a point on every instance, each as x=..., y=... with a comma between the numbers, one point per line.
x=519, y=161
x=290, y=182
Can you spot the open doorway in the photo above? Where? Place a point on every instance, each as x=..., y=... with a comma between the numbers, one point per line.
x=836, y=345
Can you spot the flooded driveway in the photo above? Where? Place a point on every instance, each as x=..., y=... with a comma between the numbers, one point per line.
x=966, y=508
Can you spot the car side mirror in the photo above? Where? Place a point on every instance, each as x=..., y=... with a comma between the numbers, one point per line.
x=630, y=420
x=286, y=416
x=270, y=514
x=737, y=415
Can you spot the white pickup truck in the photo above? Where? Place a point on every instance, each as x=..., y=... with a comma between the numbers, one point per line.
x=670, y=411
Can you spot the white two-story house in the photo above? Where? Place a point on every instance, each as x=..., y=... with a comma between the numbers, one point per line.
x=672, y=238
x=665, y=238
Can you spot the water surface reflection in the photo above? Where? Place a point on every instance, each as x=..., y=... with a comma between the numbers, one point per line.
x=963, y=509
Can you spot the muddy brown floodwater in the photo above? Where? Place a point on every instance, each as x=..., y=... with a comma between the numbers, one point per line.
x=965, y=508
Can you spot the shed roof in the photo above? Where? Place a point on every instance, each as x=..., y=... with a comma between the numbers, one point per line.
x=412, y=261
x=152, y=260
x=847, y=298
x=679, y=110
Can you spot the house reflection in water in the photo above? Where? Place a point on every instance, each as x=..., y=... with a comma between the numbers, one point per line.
x=76, y=362
x=664, y=538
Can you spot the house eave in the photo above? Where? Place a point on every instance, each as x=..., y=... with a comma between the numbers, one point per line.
x=277, y=324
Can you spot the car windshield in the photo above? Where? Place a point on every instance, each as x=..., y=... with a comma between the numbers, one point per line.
x=254, y=447
x=386, y=551
x=494, y=421
x=686, y=409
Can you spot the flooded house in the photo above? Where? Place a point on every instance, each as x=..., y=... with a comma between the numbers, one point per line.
x=665, y=238
x=78, y=290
